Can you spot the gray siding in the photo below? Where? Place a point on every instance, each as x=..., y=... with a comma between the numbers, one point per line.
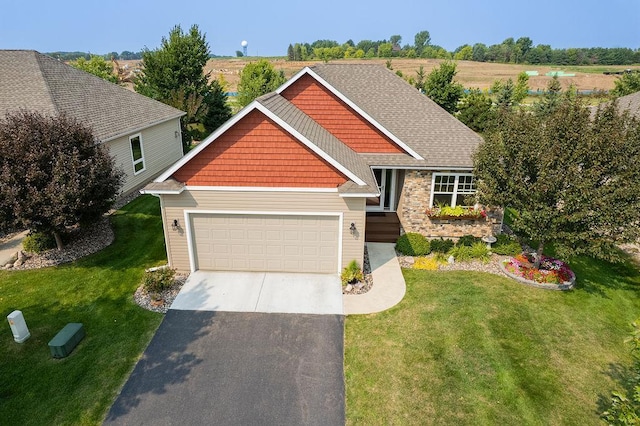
x=353, y=210
x=161, y=149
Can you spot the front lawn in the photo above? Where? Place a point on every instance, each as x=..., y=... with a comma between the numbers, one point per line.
x=96, y=291
x=475, y=348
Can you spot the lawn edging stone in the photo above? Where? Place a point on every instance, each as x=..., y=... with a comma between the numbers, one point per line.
x=568, y=285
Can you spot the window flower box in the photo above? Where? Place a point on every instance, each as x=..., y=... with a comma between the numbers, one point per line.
x=456, y=213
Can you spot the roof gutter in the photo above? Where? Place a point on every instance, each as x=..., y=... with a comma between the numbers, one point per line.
x=138, y=129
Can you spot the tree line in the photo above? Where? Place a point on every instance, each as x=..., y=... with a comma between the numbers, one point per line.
x=125, y=55
x=510, y=50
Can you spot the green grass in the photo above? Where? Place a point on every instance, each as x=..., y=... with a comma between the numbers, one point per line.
x=592, y=69
x=479, y=349
x=97, y=291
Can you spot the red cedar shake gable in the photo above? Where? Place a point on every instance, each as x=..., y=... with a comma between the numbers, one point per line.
x=337, y=117
x=256, y=151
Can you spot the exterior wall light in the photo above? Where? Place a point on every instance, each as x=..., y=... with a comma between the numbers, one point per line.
x=352, y=228
x=175, y=225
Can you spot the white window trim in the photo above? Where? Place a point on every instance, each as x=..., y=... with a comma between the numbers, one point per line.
x=454, y=195
x=141, y=160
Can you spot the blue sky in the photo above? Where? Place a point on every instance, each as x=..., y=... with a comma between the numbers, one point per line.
x=269, y=26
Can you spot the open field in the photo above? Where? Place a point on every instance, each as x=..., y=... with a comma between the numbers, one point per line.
x=470, y=74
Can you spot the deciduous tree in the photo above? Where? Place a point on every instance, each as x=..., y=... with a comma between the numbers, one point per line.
x=96, y=66
x=627, y=84
x=475, y=110
x=258, y=78
x=440, y=87
x=53, y=174
x=420, y=41
x=574, y=179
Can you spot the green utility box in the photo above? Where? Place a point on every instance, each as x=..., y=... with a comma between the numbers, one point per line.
x=66, y=339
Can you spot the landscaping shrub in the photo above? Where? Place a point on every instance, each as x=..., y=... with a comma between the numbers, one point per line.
x=506, y=245
x=441, y=246
x=413, y=244
x=480, y=251
x=426, y=263
x=464, y=253
x=468, y=240
x=352, y=273
x=37, y=242
x=461, y=253
x=158, y=280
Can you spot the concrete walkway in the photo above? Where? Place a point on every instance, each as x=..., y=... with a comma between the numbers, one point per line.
x=11, y=247
x=388, y=283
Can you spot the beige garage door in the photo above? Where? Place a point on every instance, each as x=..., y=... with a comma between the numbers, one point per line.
x=282, y=243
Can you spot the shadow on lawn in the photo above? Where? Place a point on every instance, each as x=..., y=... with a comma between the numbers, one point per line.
x=623, y=376
x=597, y=276
x=168, y=360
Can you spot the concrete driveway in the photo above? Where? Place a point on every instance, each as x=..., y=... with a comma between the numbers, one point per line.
x=271, y=292
x=237, y=368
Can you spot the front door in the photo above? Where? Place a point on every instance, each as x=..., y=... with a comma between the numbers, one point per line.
x=386, y=179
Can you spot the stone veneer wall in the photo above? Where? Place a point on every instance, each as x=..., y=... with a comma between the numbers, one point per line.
x=414, y=201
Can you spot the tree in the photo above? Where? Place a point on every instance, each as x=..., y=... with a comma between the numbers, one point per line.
x=53, y=174
x=521, y=90
x=421, y=40
x=420, y=78
x=385, y=50
x=507, y=94
x=463, y=53
x=627, y=84
x=290, y=53
x=175, y=72
x=475, y=110
x=322, y=53
x=395, y=41
x=574, y=179
x=96, y=66
x=239, y=54
x=524, y=45
x=256, y=79
x=551, y=98
x=479, y=52
x=440, y=87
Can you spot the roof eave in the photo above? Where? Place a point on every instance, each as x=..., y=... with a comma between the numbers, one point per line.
x=354, y=106
x=139, y=128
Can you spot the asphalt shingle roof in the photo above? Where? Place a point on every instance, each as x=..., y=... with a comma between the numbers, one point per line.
x=412, y=117
x=630, y=103
x=33, y=81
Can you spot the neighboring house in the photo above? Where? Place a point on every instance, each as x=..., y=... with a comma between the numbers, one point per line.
x=630, y=103
x=142, y=134
x=292, y=181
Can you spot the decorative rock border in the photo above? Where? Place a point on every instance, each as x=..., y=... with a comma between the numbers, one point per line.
x=567, y=285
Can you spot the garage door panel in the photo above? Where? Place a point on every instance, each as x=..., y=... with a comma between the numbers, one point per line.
x=286, y=243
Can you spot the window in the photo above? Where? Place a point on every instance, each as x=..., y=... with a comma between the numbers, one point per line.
x=137, y=153
x=452, y=189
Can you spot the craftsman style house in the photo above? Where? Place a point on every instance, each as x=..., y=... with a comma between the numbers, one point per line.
x=299, y=179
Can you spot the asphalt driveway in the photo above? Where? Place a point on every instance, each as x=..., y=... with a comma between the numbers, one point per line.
x=238, y=368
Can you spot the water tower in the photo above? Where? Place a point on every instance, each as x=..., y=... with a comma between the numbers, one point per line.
x=244, y=45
